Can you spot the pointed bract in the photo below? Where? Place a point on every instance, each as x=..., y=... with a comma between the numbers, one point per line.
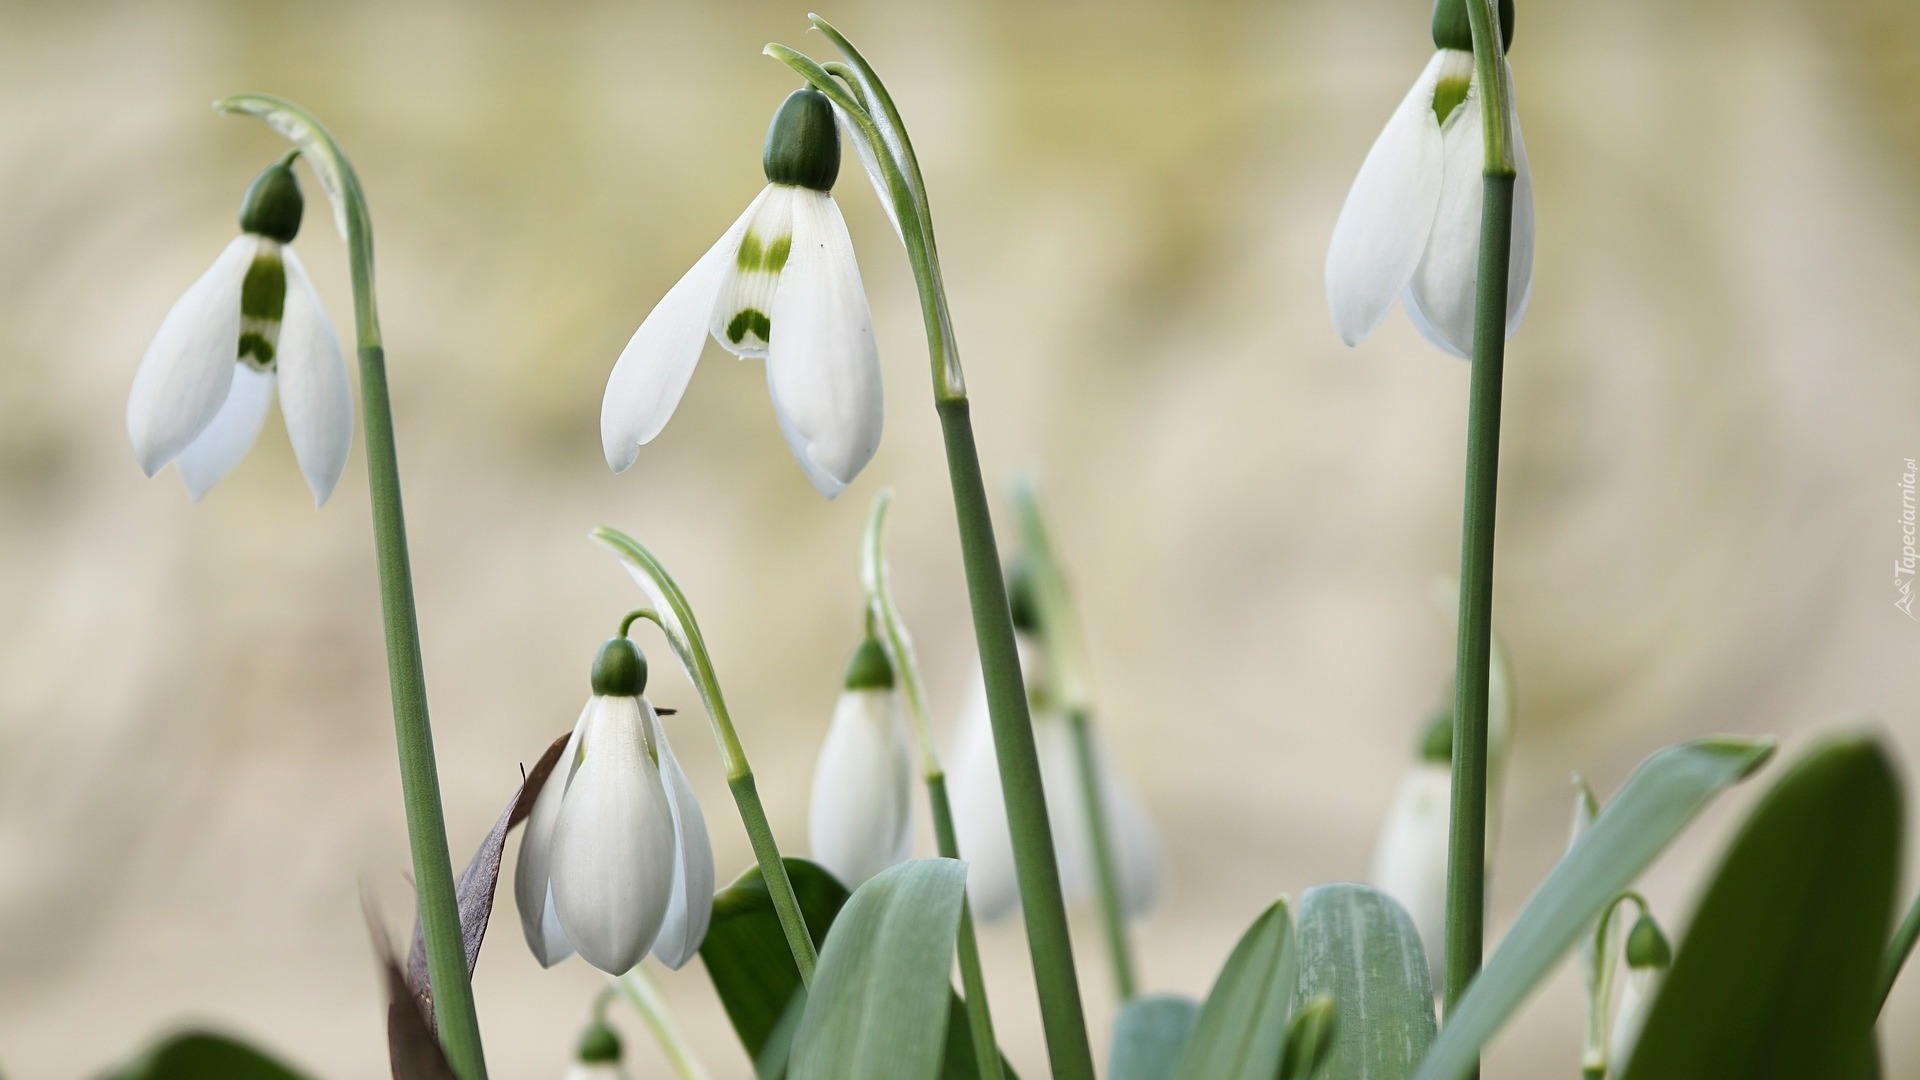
x=315, y=397
x=183, y=380
x=1389, y=213
x=221, y=445
x=690, y=904
x=861, y=820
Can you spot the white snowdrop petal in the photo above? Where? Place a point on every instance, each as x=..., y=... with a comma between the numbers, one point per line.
x=1389, y=213
x=315, y=397
x=222, y=443
x=1635, y=999
x=1441, y=294
x=861, y=819
x=980, y=814
x=653, y=370
x=532, y=890
x=822, y=367
x=1410, y=860
x=1520, y=262
x=743, y=308
x=184, y=378
x=1140, y=861
x=613, y=845
x=690, y=906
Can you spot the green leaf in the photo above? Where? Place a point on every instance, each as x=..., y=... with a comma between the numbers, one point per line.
x=881, y=1000
x=204, y=1055
x=1309, y=1038
x=1659, y=799
x=1149, y=1035
x=1241, y=1032
x=1358, y=946
x=1779, y=972
x=746, y=952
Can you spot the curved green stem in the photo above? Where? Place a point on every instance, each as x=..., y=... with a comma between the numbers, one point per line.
x=457, y=1023
x=644, y=995
x=1466, y=855
x=884, y=617
x=675, y=618
x=1035, y=864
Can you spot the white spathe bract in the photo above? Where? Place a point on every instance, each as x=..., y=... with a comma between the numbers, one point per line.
x=1411, y=224
x=862, y=811
x=980, y=818
x=782, y=284
x=199, y=403
x=1410, y=859
x=1635, y=999
x=615, y=860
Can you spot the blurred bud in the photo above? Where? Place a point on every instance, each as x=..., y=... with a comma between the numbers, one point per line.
x=861, y=820
x=598, y=1055
x=1647, y=946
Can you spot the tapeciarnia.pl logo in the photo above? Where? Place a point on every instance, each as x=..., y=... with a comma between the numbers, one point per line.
x=1903, y=567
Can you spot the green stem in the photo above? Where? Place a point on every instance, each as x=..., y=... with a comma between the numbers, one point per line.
x=1899, y=949
x=644, y=995
x=674, y=616
x=1466, y=853
x=457, y=1024
x=884, y=618
x=1106, y=868
x=1035, y=864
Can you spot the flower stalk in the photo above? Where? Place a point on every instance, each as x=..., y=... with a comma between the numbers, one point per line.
x=1466, y=878
x=892, y=631
x=457, y=1024
x=898, y=179
x=644, y=995
x=675, y=618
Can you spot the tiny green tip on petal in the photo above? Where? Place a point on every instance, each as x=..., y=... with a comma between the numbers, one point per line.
x=869, y=669
x=620, y=670
x=1647, y=946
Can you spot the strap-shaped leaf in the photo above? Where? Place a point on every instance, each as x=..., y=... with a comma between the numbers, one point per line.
x=1149, y=1036
x=879, y=1006
x=204, y=1055
x=1241, y=1032
x=1777, y=978
x=746, y=954
x=1359, y=947
x=1659, y=799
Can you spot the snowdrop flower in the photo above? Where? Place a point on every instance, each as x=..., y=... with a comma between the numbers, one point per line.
x=862, y=817
x=615, y=861
x=1411, y=224
x=781, y=285
x=1410, y=858
x=598, y=1055
x=252, y=321
x=980, y=811
x=1648, y=957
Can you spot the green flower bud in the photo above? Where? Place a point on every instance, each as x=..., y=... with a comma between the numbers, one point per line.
x=1451, y=29
x=1436, y=742
x=1647, y=947
x=273, y=204
x=620, y=670
x=598, y=1044
x=803, y=144
x=869, y=668
x=1021, y=598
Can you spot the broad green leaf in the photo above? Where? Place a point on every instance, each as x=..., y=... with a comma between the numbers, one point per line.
x=1358, y=946
x=881, y=1000
x=1241, y=1032
x=1149, y=1035
x=1778, y=976
x=746, y=952
x=204, y=1055
x=1659, y=799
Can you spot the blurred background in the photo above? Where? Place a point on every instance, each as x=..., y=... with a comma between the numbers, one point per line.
x=1708, y=410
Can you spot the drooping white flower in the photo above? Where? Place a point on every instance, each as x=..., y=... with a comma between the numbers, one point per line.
x=782, y=284
x=862, y=812
x=616, y=861
x=1411, y=224
x=980, y=812
x=1410, y=857
x=252, y=321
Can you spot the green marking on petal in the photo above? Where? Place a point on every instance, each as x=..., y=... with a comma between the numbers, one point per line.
x=263, y=299
x=757, y=256
x=749, y=321
x=1448, y=94
x=256, y=351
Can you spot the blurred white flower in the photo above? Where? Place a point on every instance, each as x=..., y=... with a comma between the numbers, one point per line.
x=1410, y=858
x=615, y=861
x=980, y=813
x=782, y=284
x=251, y=321
x=862, y=811
x=1411, y=224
